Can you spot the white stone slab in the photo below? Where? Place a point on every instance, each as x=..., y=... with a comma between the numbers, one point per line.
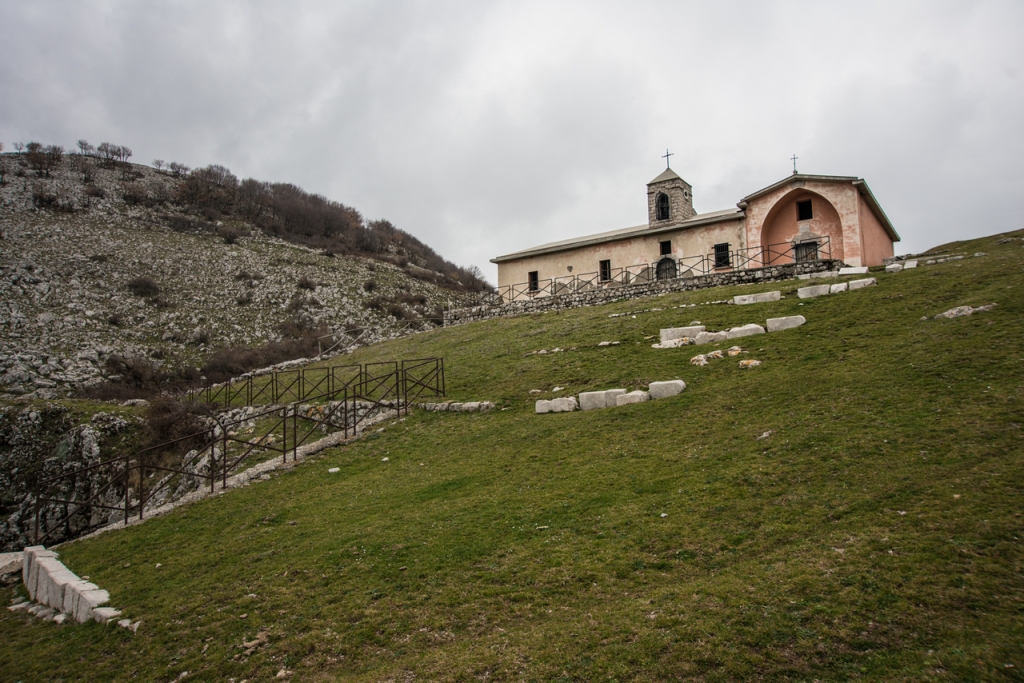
x=563, y=405
x=860, y=270
x=71, y=592
x=745, y=331
x=610, y=397
x=671, y=333
x=838, y=287
x=59, y=581
x=543, y=406
x=894, y=268
x=909, y=264
x=860, y=284
x=827, y=273
x=744, y=299
x=592, y=400
x=632, y=397
x=87, y=602
x=666, y=389
x=787, y=323
x=105, y=614
x=46, y=568
x=813, y=291
x=711, y=337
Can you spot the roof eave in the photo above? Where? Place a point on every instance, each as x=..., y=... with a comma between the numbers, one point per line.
x=697, y=221
x=798, y=176
x=876, y=208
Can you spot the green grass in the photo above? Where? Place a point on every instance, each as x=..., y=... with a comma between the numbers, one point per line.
x=874, y=535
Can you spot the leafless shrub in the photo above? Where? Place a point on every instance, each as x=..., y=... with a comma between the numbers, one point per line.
x=244, y=299
x=370, y=285
x=306, y=283
x=144, y=286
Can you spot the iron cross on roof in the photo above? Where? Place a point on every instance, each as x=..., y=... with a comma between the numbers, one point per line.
x=665, y=156
x=794, y=158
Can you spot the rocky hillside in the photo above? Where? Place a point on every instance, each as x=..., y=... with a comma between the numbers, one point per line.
x=107, y=263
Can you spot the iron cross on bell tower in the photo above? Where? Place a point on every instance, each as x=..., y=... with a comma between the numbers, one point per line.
x=665, y=156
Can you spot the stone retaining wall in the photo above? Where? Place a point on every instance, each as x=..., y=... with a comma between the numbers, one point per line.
x=602, y=295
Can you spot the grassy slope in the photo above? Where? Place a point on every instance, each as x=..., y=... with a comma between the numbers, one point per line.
x=874, y=534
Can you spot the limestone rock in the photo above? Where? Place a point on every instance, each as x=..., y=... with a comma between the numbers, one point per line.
x=813, y=291
x=839, y=287
x=745, y=331
x=710, y=337
x=744, y=299
x=787, y=323
x=858, y=270
x=665, y=389
x=894, y=268
x=860, y=284
x=632, y=397
x=673, y=333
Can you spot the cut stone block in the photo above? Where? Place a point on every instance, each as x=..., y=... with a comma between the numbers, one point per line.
x=666, y=389
x=839, y=287
x=711, y=337
x=46, y=568
x=827, y=273
x=563, y=405
x=632, y=397
x=894, y=268
x=71, y=592
x=105, y=614
x=859, y=284
x=861, y=270
x=743, y=299
x=59, y=581
x=87, y=602
x=610, y=397
x=60, y=618
x=787, y=323
x=909, y=264
x=813, y=291
x=592, y=400
x=471, y=407
x=543, y=406
x=30, y=567
x=745, y=331
x=671, y=333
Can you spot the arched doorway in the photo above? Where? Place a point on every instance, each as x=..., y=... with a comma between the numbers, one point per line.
x=666, y=269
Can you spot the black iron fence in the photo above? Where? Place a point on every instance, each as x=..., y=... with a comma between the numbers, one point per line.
x=351, y=395
x=668, y=268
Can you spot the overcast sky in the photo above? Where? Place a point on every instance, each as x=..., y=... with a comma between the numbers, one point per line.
x=484, y=128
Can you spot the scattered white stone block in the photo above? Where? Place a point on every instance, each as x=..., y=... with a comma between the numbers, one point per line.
x=334, y=470
x=60, y=618
x=674, y=343
x=471, y=407
x=745, y=331
x=839, y=287
x=592, y=400
x=860, y=270
x=59, y=581
x=711, y=337
x=564, y=405
x=860, y=284
x=11, y=563
x=87, y=602
x=632, y=397
x=787, y=323
x=749, y=363
x=105, y=614
x=813, y=291
x=611, y=395
x=894, y=268
x=909, y=264
x=744, y=299
x=672, y=333
x=827, y=273
x=666, y=389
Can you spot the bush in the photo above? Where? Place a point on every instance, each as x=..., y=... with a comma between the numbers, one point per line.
x=168, y=419
x=115, y=320
x=97, y=192
x=370, y=285
x=230, y=234
x=244, y=299
x=144, y=286
x=243, y=275
x=305, y=283
x=98, y=258
x=134, y=193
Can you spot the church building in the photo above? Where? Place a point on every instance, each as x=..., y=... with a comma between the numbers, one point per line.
x=800, y=218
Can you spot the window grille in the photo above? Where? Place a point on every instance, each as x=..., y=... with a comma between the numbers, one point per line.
x=534, y=280
x=606, y=271
x=666, y=248
x=722, y=258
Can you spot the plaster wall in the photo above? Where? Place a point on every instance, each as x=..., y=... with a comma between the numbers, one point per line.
x=781, y=224
x=640, y=249
x=877, y=243
x=843, y=197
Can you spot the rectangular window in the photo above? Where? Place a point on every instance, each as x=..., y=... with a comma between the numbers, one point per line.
x=722, y=259
x=808, y=251
x=803, y=211
x=606, y=271
x=666, y=248
x=534, y=280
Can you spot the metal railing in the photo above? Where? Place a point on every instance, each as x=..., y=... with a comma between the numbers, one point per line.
x=353, y=394
x=685, y=267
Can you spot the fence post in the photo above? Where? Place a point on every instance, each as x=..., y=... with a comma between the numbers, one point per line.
x=37, y=516
x=284, y=435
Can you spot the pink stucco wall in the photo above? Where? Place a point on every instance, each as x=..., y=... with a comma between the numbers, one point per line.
x=877, y=243
x=781, y=225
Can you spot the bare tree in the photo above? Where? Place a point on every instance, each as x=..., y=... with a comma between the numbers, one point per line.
x=179, y=169
x=158, y=164
x=18, y=146
x=86, y=148
x=108, y=152
x=124, y=152
x=54, y=153
x=36, y=157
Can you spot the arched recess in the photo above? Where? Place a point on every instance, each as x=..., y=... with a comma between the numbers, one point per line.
x=781, y=230
x=666, y=269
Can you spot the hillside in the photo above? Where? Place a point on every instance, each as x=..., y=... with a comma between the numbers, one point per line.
x=848, y=510
x=126, y=263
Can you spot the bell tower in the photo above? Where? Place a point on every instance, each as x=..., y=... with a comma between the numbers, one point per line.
x=669, y=200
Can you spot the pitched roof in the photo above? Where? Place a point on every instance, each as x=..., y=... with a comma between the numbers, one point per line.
x=667, y=174
x=621, y=234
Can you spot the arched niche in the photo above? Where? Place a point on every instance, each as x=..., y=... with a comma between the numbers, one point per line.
x=783, y=227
